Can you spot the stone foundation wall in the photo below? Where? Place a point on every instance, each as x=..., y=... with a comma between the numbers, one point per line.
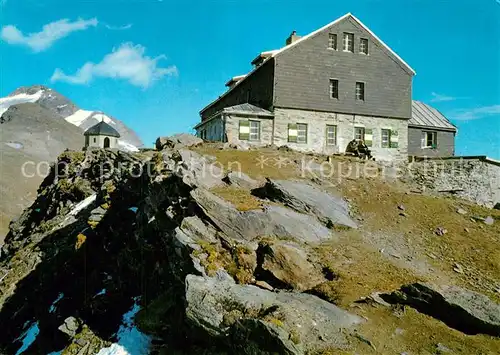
x=316, y=127
x=233, y=130
x=476, y=179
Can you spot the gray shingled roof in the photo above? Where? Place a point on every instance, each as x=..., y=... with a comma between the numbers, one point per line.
x=248, y=109
x=102, y=129
x=424, y=115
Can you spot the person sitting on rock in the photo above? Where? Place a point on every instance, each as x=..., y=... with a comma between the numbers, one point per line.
x=364, y=151
x=352, y=147
x=358, y=148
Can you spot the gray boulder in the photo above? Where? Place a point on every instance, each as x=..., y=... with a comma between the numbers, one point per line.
x=181, y=140
x=196, y=170
x=306, y=198
x=464, y=310
x=242, y=145
x=257, y=321
x=70, y=326
x=275, y=221
x=242, y=180
x=287, y=266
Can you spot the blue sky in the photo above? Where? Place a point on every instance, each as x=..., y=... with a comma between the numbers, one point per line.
x=182, y=52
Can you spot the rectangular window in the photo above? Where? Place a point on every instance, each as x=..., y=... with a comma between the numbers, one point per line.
x=332, y=41
x=301, y=133
x=429, y=140
x=297, y=133
x=363, y=46
x=386, y=138
x=255, y=130
x=348, y=42
x=360, y=91
x=331, y=135
x=359, y=133
x=334, y=88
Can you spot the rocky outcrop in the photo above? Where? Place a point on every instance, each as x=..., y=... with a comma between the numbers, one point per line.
x=305, y=198
x=196, y=170
x=117, y=227
x=464, y=310
x=177, y=141
x=285, y=265
x=241, y=180
x=271, y=221
x=257, y=321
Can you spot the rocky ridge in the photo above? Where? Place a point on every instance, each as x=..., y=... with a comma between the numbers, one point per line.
x=110, y=230
x=147, y=225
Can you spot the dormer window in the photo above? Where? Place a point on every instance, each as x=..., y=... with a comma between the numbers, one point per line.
x=334, y=88
x=363, y=46
x=332, y=41
x=348, y=42
x=360, y=91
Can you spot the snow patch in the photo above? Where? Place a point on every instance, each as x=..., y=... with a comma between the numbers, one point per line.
x=29, y=338
x=114, y=349
x=15, y=145
x=78, y=117
x=102, y=117
x=131, y=341
x=54, y=304
x=127, y=146
x=6, y=102
x=100, y=293
x=82, y=204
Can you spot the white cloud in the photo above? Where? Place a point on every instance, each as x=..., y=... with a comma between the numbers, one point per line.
x=441, y=98
x=50, y=33
x=476, y=113
x=118, y=28
x=127, y=62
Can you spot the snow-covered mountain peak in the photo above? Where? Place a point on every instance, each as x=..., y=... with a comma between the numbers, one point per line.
x=20, y=98
x=64, y=108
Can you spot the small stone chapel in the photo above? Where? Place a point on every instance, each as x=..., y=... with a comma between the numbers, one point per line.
x=101, y=135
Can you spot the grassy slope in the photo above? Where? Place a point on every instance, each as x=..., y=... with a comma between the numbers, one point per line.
x=390, y=250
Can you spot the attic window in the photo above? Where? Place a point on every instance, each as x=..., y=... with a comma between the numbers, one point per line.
x=363, y=46
x=360, y=91
x=334, y=88
x=348, y=42
x=332, y=41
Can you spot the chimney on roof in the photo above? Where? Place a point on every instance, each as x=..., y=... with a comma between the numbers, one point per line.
x=292, y=38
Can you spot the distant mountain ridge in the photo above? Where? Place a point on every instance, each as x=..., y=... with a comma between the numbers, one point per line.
x=65, y=108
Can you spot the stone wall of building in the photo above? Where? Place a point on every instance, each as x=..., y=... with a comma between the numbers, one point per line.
x=98, y=141
x=475, y=179
x=316, y=127
x=212, y=130
x=233, y=130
